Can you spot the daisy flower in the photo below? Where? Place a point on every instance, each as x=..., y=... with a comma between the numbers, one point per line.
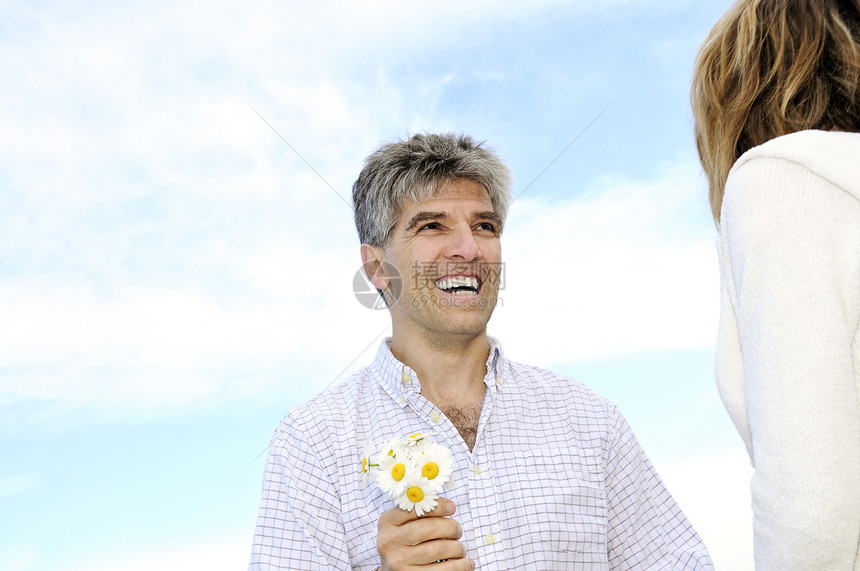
x=413, y=471
x=391, y=447
x=435, y=464
x=390, y=474
x=418, y=496
x=417, y=441
x=368, y=463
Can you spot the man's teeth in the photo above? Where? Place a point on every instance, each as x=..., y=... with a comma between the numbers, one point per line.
x=457, y=281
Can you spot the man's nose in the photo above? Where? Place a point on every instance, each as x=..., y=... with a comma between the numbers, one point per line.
x=463, y=245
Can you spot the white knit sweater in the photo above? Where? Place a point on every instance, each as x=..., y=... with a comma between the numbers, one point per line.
x=788, y=353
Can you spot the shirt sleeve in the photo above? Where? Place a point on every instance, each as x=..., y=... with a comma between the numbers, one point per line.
x=646, y=528
x=793, y=248
x=299, y=525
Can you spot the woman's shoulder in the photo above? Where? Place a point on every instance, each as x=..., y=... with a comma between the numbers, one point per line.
x=797, y=184
x=833, y=156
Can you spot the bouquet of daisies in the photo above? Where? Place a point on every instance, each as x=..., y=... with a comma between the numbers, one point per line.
x=413, y=471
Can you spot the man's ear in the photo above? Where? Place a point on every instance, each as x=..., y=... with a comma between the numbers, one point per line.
x=371, y=261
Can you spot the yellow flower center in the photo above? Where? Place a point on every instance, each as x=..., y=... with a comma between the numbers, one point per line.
x=398, y=471
x=364, y=465
x=415, y=494
x=430, y=470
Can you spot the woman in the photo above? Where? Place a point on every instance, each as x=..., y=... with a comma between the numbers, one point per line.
x=776, y=101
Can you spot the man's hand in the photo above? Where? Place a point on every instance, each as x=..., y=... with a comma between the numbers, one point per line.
x=407, y=541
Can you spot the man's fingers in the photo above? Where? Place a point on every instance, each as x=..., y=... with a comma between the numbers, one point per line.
x=441, y=554
x=406, y=540
x=445, y=507
x=397, y=516
x=463, y=564
x=439, y=550
x=426, y=529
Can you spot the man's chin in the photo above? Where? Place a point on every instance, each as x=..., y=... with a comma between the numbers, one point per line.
x=474, y=323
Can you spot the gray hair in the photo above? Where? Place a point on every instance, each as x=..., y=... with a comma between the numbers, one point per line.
x=417, y=169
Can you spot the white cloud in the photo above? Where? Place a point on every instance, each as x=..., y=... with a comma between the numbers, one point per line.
x=160, y=245
x=15, y=485
x=17, y=558
x=610, y=272
x=627, y=267
x=151, y=349
x=226, y=553
x=713, y=490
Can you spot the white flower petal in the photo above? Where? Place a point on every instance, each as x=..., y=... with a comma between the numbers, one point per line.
x=413, y=466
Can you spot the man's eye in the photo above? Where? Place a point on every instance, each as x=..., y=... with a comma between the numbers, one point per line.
x=487, y=226
x=430, y=226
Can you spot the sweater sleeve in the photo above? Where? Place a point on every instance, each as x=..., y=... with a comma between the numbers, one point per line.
x=793, y=245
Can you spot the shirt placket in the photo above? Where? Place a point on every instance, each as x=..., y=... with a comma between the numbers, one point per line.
x=489, y=528
x=485, y=530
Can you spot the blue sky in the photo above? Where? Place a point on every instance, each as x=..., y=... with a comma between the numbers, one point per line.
x=174, y=276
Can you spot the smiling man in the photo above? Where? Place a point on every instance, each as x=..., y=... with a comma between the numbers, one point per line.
x=548, y=474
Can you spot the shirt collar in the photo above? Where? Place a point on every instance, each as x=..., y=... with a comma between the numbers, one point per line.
x=402, y=383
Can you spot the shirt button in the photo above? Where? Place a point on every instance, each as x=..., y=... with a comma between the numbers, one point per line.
x=405, y=378
x=490, y=539
x=476, y=469
x=499, y=381
x=435, y=416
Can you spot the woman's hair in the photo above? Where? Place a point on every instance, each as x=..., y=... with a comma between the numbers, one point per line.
x=417, y=169
x=769, y=68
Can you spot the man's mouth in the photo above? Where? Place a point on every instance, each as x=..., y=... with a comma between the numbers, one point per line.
x=459, y=285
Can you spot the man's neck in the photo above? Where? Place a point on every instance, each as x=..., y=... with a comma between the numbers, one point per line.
x=449, y=369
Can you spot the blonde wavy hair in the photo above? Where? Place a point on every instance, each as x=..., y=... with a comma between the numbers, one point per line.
x=769, y=68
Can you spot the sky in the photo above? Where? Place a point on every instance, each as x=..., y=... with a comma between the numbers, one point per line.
x=177, y=250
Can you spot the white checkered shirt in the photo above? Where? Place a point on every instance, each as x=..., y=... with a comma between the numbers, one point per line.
x=556, y=478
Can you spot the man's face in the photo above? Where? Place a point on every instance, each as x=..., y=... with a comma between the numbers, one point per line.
x=447, y=251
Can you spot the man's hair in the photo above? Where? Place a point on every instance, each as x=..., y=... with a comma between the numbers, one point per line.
x=417, y=169
x=769, y=68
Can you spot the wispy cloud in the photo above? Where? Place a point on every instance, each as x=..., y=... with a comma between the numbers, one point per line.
x=17, y=558
x=226, y=553
x=161, y=246
x=608, y=272
x=626, y=267
x=713, y=490
x=15, y=485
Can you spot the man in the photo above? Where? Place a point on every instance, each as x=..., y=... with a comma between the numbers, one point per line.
x=548, y=474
